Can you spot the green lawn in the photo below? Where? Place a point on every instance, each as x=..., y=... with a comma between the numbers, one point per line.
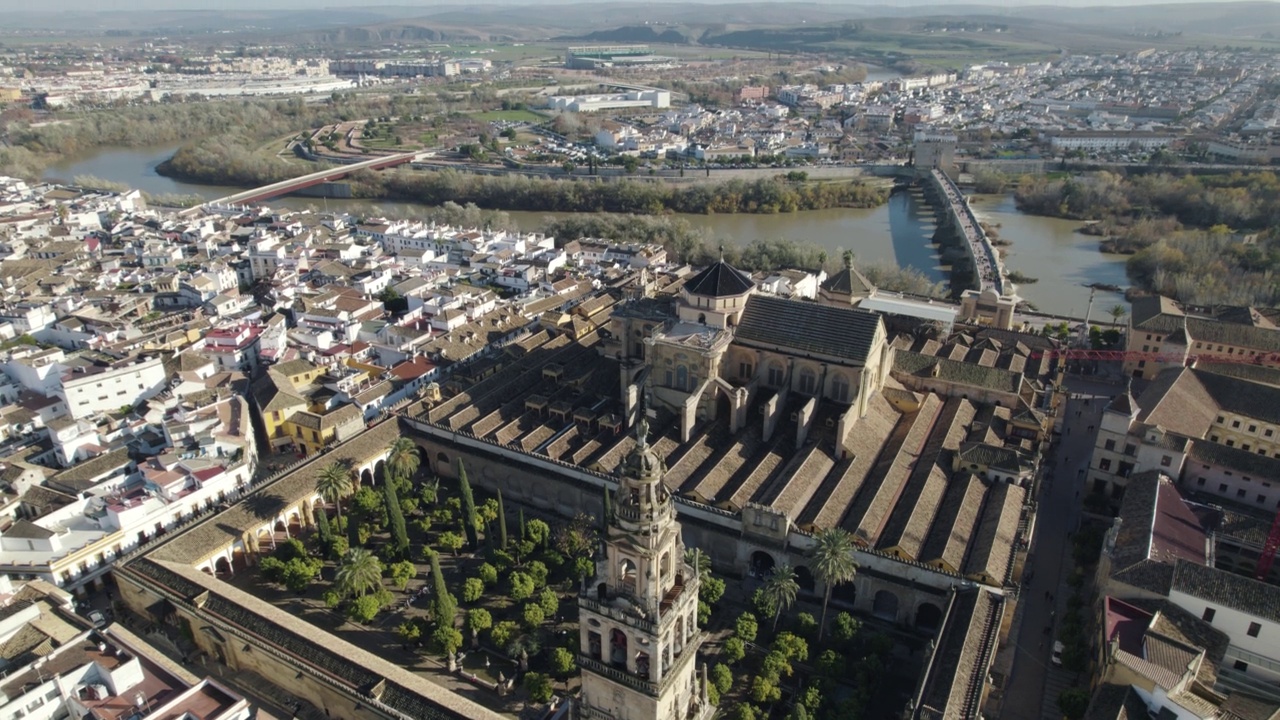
x=509, y=115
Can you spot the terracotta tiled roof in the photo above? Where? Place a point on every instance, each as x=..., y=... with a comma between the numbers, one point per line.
x=1156, y=529
x=844, y=333
x=966, y=643
x=1228, y=590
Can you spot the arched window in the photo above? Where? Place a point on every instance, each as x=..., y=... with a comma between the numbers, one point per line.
x=702, y=318
x=808, y=381
x=777, y=374
x=627, y=576
x=682, y=377
x=840, y=388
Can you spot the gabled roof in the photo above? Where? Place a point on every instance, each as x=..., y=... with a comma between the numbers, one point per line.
x=846, y=333
x=1227, y=589
x=848, y=282
x=1177, y=401
x=1157, y=529
x=720, y=279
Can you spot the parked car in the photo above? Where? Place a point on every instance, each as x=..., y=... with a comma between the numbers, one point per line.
x=97, y=618
x=1057, y=652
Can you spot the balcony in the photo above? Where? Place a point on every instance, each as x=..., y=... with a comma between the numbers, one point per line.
x=634, y=682
x=609, y=609
x=672, y=595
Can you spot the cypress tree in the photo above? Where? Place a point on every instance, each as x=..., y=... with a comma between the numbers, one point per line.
x=502, y=521
x=353, y=531
x=468, y=507
x=521, y=524
x=322, y=526
x=443, y=605
x=395, y=516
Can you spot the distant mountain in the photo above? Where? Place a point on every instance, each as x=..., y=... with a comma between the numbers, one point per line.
x=631, y=34
x=625, y=21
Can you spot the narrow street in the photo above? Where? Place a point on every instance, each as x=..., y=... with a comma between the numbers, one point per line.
x=1035, y=683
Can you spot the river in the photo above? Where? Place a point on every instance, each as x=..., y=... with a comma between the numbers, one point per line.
x=1049, y=249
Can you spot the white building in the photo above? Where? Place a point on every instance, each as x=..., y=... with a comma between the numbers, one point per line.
x=91, y=390
x=615, y=101
x=1247, y=610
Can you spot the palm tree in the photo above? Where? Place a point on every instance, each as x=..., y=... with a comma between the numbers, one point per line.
x=333, y=484
x=780, y=590
x=833, y=564
x=359, y=572
x=403, y=459
x=1117, y=312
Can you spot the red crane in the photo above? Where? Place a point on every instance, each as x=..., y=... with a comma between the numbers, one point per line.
x=1269, y=550
x=1253, y=358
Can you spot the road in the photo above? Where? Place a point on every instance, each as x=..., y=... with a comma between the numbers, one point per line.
x=1033, y=688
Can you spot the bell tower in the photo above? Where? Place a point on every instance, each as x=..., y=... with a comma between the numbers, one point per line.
x=638, y=618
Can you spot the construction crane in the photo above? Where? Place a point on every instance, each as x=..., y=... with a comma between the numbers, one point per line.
x=1253, y=358
x=1268, y=555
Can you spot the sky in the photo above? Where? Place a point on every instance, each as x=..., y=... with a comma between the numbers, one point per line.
x=47, y=6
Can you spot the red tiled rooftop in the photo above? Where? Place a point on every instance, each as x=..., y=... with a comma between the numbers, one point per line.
x=1176, y=531
x=208, y=473
x=1126, y=624
x=205, y=701
x=409, y=370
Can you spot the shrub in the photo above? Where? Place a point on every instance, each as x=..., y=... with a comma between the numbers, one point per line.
x=409, y=631
x=846, y=627
x=711, y=590
x=401, y=573
x=562, y=661
x=765, y=690
x=734, y=650
x=538, y=686
x=446, y=640
x=793, y=647
x=721, y=677
x=331, y=598
x=549, y=601
x=364, y=608
x=521, y=586
x=472, y=590
x=532, y=616
x=806, y=625
x=479, y=620
x=450, y=541
x=503, y=633
x=488, y=574
x=583, y=567
x=538, y=571
x=1073, y=702
x=745, y=628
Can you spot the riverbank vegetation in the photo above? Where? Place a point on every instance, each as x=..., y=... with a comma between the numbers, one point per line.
x=1202, y=239
x=688, y=244
x=520, y=192
x=231, y=165
x=222, y=123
